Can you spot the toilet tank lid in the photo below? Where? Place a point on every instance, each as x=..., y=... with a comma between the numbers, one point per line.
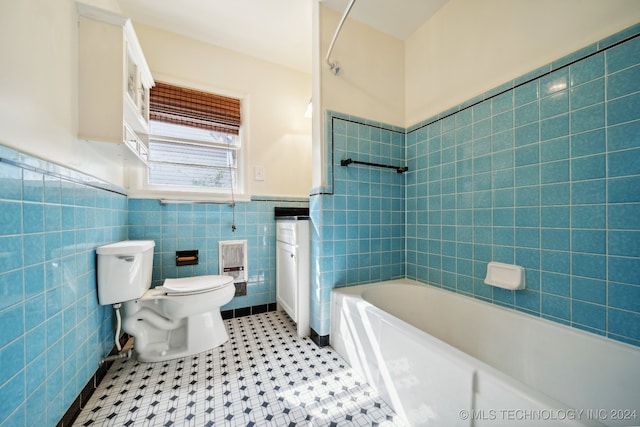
x=126, y=247
x=195, y=284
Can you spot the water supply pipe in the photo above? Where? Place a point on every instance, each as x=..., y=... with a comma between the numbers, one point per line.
x=118, y=325
x=126, y=354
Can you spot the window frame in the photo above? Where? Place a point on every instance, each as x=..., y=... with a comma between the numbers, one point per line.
x=236, y=148
x=139, y=177
x=212, y=191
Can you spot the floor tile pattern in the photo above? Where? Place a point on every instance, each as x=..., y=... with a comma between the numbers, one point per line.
x=263, y=376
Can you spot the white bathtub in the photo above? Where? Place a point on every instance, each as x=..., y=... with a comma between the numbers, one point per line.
x=442, y=359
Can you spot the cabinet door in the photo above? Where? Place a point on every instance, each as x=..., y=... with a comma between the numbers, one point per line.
x=132, y=80
x=144, y=102
x=286, y=278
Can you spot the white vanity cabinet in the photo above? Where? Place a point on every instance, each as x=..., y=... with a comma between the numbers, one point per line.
x=292, y=271
x=114, y=81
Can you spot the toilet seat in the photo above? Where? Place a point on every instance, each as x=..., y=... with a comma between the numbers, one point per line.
x=195, y=285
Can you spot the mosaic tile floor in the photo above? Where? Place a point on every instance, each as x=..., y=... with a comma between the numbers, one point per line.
x=263, y=376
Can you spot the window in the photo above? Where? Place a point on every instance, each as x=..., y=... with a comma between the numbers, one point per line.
x=194, y=138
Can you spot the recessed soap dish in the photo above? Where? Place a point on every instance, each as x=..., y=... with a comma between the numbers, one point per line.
x=505, y=276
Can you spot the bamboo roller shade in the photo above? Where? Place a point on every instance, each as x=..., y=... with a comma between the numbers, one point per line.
x=194, y=108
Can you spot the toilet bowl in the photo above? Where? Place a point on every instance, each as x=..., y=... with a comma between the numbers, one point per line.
x=170, y=324
x=180, y=318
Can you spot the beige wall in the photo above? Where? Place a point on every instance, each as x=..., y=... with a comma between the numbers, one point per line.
x=276, y=135
x=472, y=46
x=371, y=81
x=39, y=97
x=468, y=47
x=39, y=87
x=465, y=49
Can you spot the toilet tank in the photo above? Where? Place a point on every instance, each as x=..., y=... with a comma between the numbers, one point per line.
x=124, y=270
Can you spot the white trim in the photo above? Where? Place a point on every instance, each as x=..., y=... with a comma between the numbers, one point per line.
x=99, y=14
x=205, y=195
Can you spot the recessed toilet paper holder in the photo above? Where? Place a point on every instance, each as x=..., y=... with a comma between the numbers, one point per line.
x=505, y=276
x=189, y=257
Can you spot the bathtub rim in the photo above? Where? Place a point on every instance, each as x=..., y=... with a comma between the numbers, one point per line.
x=361, y=288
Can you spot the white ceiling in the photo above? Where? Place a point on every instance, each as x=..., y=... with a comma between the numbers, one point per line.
x=274, y=30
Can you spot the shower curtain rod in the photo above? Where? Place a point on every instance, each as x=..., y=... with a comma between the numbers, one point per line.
x=335, y=68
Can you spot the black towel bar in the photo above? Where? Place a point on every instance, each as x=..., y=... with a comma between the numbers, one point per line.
x=347, y=162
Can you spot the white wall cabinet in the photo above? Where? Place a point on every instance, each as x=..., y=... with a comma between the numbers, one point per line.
x=114, y=81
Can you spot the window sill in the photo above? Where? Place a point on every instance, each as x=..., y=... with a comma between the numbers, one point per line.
x=187, y=195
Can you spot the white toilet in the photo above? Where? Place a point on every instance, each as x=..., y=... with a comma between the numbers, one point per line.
x=180, y=318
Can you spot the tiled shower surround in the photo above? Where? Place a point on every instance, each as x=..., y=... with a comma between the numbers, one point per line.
x=359, y=231
x=545, y=175
x=201, y=226
x=53, y=332
x=543, y=172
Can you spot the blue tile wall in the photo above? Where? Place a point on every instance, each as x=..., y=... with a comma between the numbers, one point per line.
x=53, y=330
x=545, y=174
x=358, y=227
x=199, y=226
